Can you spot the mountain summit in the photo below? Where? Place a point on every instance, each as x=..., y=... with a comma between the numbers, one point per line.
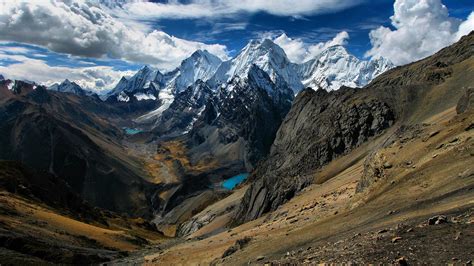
x=68, y=87
x=335, y=67
x=268, y=56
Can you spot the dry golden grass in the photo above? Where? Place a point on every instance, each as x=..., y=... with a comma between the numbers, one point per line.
x=41, y=222
x=176, y=150
x=334, y=210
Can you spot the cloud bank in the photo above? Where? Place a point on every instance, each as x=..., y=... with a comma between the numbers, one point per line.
x=83, y=28
x=298, y=51
x=421, y=28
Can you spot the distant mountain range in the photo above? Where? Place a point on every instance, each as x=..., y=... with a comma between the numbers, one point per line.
x=331, y=69
x=236, y=104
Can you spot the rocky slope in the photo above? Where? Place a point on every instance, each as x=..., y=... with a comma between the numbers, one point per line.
x=67, y=136
x=322, y=126
x=188, y=105
x=9, y=88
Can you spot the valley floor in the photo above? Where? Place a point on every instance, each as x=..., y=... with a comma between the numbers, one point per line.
x=427, y=171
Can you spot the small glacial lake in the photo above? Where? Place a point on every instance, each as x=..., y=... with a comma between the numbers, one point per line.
x=132, y=131
x=234, y=181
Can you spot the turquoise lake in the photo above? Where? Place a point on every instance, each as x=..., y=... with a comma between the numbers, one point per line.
x=234, y=181
x=132, y=131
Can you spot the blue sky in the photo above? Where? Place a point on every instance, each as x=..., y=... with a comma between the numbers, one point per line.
x=95, y=42
x=357, y=21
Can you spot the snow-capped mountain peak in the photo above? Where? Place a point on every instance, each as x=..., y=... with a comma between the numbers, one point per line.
x=145, y=78
x=68, y=87
x=201, y=65
x=265, y=54
x=335, y=67
x=197, y=68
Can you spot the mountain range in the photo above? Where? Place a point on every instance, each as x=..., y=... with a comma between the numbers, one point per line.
x=202, y=87
x=214, y=162
x=185, y=96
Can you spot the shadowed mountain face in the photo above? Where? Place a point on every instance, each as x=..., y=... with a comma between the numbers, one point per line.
x=188, y=105
x=66, y=136
x=322, y=126
x=240, y=120
x=37, y=186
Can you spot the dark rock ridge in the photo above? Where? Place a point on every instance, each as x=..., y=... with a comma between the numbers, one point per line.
x=239, y=123
x=179, y=118
x=9, y=87
x=322, y=126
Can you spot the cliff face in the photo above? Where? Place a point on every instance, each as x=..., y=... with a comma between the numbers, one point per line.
x=322, y=126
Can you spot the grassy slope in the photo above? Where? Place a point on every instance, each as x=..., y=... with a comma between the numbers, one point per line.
x=57, y=226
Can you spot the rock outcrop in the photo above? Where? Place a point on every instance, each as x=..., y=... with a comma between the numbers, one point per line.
x=320, y=127
x=466, y=102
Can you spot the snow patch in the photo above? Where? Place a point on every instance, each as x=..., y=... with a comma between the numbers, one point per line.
x=10, y=85
x=122, y=97
x=142, y=96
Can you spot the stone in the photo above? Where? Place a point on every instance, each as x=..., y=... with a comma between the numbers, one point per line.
x=396, y=239
x=402, y=261
x=434, y=133
x=387, y=165
x=239, y=244
x=454, y=140
x=440, y=219
x=259, y=258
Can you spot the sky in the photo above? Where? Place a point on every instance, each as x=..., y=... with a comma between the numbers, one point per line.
x=96, y=42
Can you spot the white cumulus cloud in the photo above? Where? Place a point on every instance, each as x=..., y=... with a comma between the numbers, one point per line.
x=173, y=9
x=83, y=28
x=421, y=28
x=298, y=51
